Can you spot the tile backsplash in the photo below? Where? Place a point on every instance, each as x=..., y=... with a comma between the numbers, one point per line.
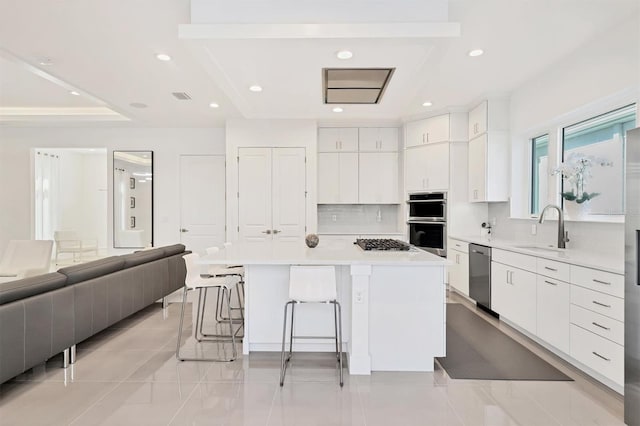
x=358, y=218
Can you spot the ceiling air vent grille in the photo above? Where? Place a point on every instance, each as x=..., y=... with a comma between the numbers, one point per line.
x=181, y=96
x=355, y=85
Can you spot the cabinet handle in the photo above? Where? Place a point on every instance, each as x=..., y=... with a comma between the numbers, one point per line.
x=336, y=145
x=427, y=136
x=457, y=245
x=601, y=304
x=475, y=194
x=600, y=356
x=276, y=231
x=601, y=282
x=509, y=277
x=268, y=232
x=549, y=282
x=601, y=326
x=340, y=145
x=457, y=259
x=550, y=269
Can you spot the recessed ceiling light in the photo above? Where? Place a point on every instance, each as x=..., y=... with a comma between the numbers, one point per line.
x=255, y=88
x=337, y=109
x=427, y=104
x=74, y=93
x=476, y=52
x=163, y=57
x=138, y=105
x=214, y=105
x=344, y=54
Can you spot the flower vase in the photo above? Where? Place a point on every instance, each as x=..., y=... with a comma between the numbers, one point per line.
x=575, y=210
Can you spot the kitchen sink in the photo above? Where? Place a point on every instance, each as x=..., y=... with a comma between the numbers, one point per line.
x=541, y=249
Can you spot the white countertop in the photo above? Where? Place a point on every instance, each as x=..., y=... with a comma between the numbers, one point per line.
x=290, y=253
x=575, y=257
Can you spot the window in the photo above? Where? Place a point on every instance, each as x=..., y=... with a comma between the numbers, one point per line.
x=539, y=172
x=598, y=142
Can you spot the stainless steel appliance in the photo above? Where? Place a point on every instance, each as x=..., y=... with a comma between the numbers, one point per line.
x=382, y=244
x=480, y=275
x=632, y=281
x=428, y=221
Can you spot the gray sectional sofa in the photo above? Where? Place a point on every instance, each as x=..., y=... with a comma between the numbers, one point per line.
x=45, y=315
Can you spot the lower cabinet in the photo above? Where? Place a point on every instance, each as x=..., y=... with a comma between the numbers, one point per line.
x=553, y=311
x=513, y=295
x=459, y=271
x=601, y=355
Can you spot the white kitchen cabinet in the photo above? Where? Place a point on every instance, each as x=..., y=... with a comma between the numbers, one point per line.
x=378, y=178
x=337, y=178
x=427, y=167
x=513, y=295
x=600, y=354
x=553, y=311
x=378, y=139
x=271, y=194
x=430, y=130
x=459, y=271
x=489, y=152
x=336, y=139
x=489, y=168
x=478, y=120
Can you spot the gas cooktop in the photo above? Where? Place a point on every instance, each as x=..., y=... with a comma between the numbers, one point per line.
x=382, y=244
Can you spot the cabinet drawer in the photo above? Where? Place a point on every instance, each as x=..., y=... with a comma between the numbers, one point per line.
x=458, y=245
x=594, y=279
x=612, y=307
x=602, y=355
x=598, y=324
x=522, y=261
x=552, y=269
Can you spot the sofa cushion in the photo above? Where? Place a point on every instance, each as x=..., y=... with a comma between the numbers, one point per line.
x=143, y=256
x=89, y=270
x=173, y=249
x=27, y=287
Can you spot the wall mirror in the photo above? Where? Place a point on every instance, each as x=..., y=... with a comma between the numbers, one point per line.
x=132, y=199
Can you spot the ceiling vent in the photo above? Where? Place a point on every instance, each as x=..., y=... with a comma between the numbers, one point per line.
x=355, y=85
x=181, y=96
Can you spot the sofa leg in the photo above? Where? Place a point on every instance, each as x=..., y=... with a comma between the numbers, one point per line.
x=66, y=354
x=72, y=354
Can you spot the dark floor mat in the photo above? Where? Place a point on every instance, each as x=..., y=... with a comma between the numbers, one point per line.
x=478, y=350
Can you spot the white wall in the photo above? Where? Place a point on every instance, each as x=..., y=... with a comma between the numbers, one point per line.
x=601, y=75
x=16, y=169
x=270, y=133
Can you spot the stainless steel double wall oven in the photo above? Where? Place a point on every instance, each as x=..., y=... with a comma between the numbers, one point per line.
x=428, y=221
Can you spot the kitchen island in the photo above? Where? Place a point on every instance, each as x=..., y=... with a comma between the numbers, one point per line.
x=393, y=302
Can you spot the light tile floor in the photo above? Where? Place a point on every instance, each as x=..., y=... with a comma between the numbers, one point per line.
x=128, y=375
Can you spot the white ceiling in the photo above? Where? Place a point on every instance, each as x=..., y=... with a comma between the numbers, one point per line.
x=106, y=51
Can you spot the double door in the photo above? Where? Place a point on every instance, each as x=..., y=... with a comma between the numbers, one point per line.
x=271, y=194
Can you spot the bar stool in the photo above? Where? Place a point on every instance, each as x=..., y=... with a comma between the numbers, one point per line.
x=312, y=284
x=194, y=281
x=227, y=270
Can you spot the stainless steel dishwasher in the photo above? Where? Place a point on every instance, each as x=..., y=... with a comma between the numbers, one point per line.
x=480, y=275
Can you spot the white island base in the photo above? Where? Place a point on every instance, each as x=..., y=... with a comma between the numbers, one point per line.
x=393, y=305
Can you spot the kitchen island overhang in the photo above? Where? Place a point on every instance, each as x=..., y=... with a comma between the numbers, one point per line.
x=394, y=303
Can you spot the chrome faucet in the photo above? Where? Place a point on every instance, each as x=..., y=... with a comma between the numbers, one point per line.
x=563, y=237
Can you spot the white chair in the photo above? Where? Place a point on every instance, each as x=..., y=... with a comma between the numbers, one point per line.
x=25, y=258
x=312, y=284
x=70, y=242
x=194, y=281
x=225, y=270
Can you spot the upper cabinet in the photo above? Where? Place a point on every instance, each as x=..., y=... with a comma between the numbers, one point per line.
x=430, y=130
x=336, y=139
x=378, y=139
x=488, y=152
x=427, y=167
x=358, y=166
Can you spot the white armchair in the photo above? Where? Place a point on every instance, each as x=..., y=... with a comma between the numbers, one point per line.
x=25, y=258
x=70, y=242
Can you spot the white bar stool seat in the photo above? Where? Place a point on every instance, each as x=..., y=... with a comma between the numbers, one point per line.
x=194, y=281
x=312, y=284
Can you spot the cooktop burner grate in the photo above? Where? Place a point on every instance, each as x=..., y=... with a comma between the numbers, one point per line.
x=382, y=244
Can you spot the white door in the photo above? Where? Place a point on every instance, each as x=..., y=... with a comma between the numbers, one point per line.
x=289, y=187
x=202, y=201
x=254, y=194
x=271, y=194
